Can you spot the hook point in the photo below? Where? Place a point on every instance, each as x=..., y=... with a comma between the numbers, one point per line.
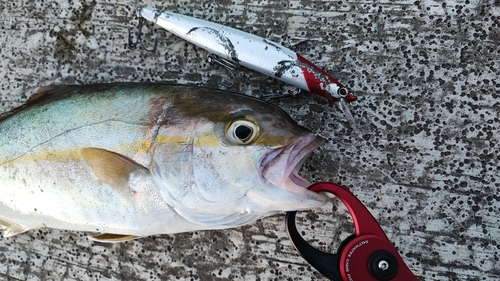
x=139, y=40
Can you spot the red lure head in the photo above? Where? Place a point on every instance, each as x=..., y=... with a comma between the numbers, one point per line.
x=342, y=92
x=350, y=97
x=321, y=83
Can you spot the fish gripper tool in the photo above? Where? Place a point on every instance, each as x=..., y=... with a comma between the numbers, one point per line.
x=367, y=255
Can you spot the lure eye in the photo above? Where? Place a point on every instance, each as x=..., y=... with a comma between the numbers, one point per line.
x=343, y=92
x=242, y=131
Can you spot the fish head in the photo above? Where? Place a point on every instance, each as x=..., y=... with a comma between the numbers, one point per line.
x=274, y=148
x=241, y=162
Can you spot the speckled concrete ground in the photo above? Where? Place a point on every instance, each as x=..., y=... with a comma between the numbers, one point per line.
x=425, y=158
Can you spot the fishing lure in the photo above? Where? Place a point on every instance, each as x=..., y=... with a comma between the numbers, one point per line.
x=236, y=48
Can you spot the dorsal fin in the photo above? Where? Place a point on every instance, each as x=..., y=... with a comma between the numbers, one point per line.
x=112, y=238
x=40, y=95
x=10, y=229
x=44, y=93
x=110, y=167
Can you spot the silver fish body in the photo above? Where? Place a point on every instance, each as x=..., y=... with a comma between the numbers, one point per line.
x=134, y=160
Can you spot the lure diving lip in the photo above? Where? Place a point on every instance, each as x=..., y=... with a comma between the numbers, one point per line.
x=254, y=52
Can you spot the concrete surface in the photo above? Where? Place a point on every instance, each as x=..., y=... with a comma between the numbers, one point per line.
x=425, y=159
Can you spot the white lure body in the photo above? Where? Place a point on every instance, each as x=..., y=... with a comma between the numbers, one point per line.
x=253, y=52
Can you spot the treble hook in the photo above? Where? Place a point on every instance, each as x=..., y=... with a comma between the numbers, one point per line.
x=133, y=45
x=230, y=66
x=266, y=95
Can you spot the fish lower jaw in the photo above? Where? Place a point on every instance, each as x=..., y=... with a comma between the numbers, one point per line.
x=282, y=165
x=281, y=168
x=296, y=179
x=297, y=188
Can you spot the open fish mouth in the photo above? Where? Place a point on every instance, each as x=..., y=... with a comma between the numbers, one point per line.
x=281, y=166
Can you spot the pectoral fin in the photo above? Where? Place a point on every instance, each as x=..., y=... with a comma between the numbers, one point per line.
x=110, y=167
x=11, y=229
x=112, y=238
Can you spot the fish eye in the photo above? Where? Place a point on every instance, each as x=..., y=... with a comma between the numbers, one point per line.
x=242, y=131
x=342, y=92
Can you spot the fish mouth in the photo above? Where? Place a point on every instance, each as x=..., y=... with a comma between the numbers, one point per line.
x=281, y=167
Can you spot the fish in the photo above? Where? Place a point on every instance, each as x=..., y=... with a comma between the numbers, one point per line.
x=236, y=47
x=129, y=160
